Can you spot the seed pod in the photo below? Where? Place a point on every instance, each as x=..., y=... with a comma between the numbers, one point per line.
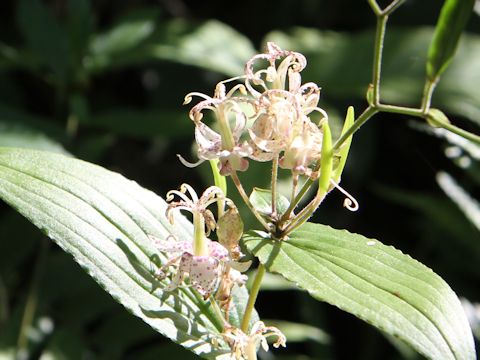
x=229, y=231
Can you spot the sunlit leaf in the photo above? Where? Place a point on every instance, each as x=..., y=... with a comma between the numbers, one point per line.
x=103, y=220
x=376, y=283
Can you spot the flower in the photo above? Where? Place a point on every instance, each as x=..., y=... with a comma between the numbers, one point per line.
x=245, y=346
x=226, y=144
x=198, y=206
x=204, y=271
x=206, y=262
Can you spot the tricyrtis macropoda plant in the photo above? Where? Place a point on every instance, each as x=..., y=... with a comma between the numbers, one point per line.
x=186, y=278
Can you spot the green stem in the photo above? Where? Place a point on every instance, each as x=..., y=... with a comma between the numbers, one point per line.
x=427, y=95
x=3, y=303
x=31, y=303
x=218, y=311
x=245, y=198
x=274, y=186
x=400, y=110
x=456, y=130
x=252, y=298
x=377, y=57
x=286, y=216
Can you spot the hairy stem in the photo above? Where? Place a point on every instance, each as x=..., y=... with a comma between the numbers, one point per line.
x=274, y=185
x=252, y=298
x=456, y=130
x=245, y=198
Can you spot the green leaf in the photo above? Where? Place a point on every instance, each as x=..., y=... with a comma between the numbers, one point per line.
x=451, y=23
x=374, y=282
x=103, y=220
x=344, y=149
x=123, y=38
x=261, y=200
x=212, y=45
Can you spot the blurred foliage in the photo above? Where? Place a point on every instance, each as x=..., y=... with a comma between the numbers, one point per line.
x=104, y=81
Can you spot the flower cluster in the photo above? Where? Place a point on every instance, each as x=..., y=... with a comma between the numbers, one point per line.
x=266, y=117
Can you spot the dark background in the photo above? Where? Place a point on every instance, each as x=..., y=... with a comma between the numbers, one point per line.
x=124, y=112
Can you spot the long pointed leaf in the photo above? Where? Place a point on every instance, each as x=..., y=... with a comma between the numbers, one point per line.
x=376, y=283
x=103, y=220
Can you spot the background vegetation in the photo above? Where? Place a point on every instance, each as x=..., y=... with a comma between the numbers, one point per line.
x=104, y=81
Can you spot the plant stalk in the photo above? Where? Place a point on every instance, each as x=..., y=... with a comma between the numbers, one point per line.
x=252, y=298
x=245, y=198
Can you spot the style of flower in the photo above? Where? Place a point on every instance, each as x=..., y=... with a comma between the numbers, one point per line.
x=245, y=346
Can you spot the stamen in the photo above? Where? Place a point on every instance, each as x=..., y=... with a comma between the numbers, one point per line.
x=188, y=98
x=350, y=202
x=184, y=188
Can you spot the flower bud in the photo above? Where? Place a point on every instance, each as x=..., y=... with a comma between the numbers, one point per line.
x=229, y=231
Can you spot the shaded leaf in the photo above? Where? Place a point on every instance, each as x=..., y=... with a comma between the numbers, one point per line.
x=110, y=47
x=261, y=200
x=211, y=45
x=376, y=283
x=103, y=220
x=142, y=123
x=297, y=332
